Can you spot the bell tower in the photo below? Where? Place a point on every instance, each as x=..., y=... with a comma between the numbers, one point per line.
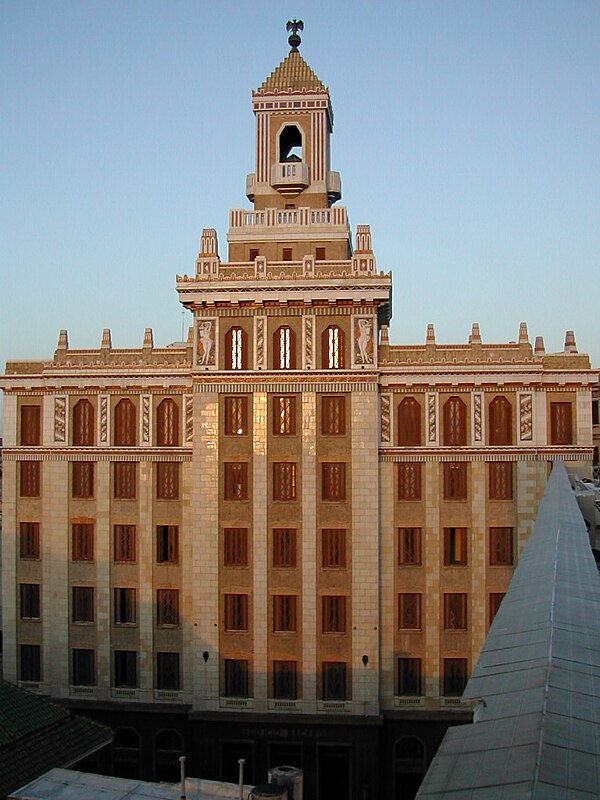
x=294, y=121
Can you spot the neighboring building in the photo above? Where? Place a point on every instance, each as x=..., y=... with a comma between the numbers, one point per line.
x=596, y=429
x=285, y=539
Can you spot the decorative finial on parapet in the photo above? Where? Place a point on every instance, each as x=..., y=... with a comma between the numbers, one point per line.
x=570, y=346
x=63, y=340
x=475, y=337
x=430, y=338
x=148, y=338
x=385, y=339
x=190, y=335
x=106, y=339
x=539, y=348
x=523, y=335
x=294, y=25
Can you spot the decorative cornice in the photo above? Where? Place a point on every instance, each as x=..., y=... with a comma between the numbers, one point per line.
x=444, y=454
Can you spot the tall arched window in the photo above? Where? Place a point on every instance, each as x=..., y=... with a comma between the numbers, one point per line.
x=284, y=348
x=455, y=422
x=409, y=423
x=83, y=423
x=125, y=433
x=167, y=423
x=236, y=349
x=500, y=421
x=332, y=346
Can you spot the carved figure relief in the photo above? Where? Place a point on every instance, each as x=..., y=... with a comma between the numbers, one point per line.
x=145, y=419
x=260, y=343
x=189, y=418
x=205, y=347
x=60, y=410
x=526, y=417
x=431, y=426
x=363, y=340
x=308, y=342
x=104, y=419
x=477, y=417
x=385, y=418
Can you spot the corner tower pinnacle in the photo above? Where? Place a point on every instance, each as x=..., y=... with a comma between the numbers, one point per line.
x=294, y=121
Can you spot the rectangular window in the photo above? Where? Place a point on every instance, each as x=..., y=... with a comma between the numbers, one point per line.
x=125, y=480
x=236, y=677
x=30, y=478
x=83, y=604
x=31, y=425
x=83, y=542
x=236, y=481
x=124, y=543
x=455, y=677
x=84, y=667
x=83, y=479
x=236, y=416
x=30, y=667
x=236, y=547
x=501, y=546
x=561, y=423
x=29, y=540
x=409, y=611
x=334, y=614
x=455, y=480
x=455, y=546
x=167, y=671
x=334, y=481
x=409, y=546
x=495, y=600
x=333, y=547
x=30, y=600
x=284, y=680
x=333, y=415
x=409, y=481
x=284, y=415
x=284, y=613
x=500, y=480
x=284, y=547
x=455, y=612
x=334, y=680
x=126, y=668
x=286, y=254
x=595, y=414
x=167, y=480
x=320, y=253
x=409, y=677
x=167, y=607
x=167, y=544
x=254, y=251
x=125, y=606
x=284, y=481
x=236, y=612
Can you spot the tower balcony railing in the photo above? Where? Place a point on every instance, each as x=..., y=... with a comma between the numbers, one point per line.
x=242, y=221
x=293, y=173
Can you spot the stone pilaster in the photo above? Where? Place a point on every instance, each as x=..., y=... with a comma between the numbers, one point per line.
x=10, y=539
x=102, y=557
x=204, y=515
x=388, y=566
x=479, y=559
x=430, y=553
x=365, y=553
x=146, y=550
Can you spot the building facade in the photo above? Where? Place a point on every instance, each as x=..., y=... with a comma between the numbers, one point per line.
x=285, y=538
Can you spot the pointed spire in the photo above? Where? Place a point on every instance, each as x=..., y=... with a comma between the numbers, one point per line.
x=430, y=338
x=523, y=335
x=106, y=339
x=540, y=347
x=63, y=340
x=570, y=346
x=475, y=337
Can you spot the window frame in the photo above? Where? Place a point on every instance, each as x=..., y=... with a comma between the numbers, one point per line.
x=409, y=674
x=235, y=486
x=167, y=608
x=125, y=419
x=455, y=480
x=500, y=421
x=236, y=349
x=333, y=415
x=406, y=547
x=333, y=348
x=235, y=411
x=83, y=607
x=29, y=478
x=82, y=541
x=83, y=423
x=30, y=663
x=124, y=605
x=409, y=480
x=167, y=423
x=285, y=618
x=453, y=685
x=236, y=677
x=81, y=669
x=167, y=544
x=409, y=611
x=285, y=480
x=284, y=548
x=409, y=423
x=456, y=545
x=284, y=415
x=333, y=481
x=235, y=612
x=334, y=616
x=284, y=348
x=501, y=546
x=334, y=681
x=168, y=675
x=125, y=672
x=455, y=422
x=561, y=422
x=333, y=548
x=82, y=480
x=124, y=544
x=124, y=480
x=500, y=480
x=30, y=417
x=29, y=541
x=285, y=680
x=30, y=605
x=235, y=547
x=456, y=611
x=167, y=480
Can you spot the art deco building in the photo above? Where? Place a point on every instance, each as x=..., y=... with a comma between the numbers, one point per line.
x=284, y=539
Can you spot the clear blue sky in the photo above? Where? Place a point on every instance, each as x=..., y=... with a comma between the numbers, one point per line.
x=466, y=133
